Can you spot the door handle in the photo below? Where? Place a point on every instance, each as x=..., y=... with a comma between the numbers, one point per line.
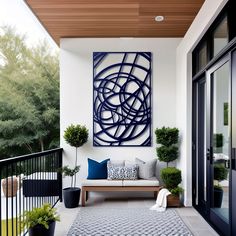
x=210, y=155
x=233, y=158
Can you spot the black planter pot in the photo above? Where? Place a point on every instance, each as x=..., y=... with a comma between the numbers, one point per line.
x=218, y=196
x=71, y=197
x=40, y=230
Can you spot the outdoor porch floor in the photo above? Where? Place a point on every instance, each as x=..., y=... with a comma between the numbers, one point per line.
x=190, y=216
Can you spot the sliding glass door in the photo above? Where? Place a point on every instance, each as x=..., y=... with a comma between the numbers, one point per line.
x=219, y=143
x=212, y=144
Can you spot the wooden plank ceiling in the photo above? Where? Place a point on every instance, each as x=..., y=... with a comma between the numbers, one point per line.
x=115, y=18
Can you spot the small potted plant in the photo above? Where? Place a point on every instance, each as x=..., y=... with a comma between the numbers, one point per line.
x=220, y=174
x=168, y=152
x=76, y=136
x=40, y=221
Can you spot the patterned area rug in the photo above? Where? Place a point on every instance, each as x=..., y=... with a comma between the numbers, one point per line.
x=127, y=222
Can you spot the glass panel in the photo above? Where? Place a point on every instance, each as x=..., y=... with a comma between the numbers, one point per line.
x=220, y=36
x=221, y=142
x=202, y=56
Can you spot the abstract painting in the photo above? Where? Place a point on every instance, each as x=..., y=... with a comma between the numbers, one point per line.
x=122, y=98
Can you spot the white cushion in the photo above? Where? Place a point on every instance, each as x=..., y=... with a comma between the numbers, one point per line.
x=101, y=182
x=141, y=182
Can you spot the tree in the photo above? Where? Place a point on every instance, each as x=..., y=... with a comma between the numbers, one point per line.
x=29, y=96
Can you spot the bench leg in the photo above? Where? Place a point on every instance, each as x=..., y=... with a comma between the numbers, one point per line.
x=84, y=193
x=155, y=194
x=87, y=195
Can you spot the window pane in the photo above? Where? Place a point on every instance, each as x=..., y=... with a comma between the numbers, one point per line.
x=202, y=57
x=220, y=36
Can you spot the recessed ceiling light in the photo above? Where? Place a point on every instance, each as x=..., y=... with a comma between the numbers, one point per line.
x=159, y=18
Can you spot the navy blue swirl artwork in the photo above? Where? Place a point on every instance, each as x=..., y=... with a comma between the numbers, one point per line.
x=122, y=98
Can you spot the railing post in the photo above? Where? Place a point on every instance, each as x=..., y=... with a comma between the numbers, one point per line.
x=59, y=175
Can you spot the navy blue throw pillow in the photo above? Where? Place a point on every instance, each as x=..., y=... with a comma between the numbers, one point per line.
x=97, y=170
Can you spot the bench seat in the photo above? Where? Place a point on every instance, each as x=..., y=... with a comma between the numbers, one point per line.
x=104, y=185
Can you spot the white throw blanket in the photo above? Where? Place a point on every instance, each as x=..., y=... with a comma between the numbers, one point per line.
x=161, y=201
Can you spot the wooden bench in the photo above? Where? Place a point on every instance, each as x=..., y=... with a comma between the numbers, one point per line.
x=87, y=189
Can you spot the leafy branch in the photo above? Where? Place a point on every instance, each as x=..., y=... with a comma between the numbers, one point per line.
x=67, y=171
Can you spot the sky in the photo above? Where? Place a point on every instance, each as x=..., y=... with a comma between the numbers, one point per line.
x=16, y=13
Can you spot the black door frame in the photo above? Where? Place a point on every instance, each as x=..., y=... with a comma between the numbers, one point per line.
x=197, y=191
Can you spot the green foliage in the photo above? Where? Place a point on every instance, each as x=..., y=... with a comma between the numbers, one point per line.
x=177, y=191
x=167, y=136
x=76, y=135
x=218, y=140
x=167, y=153
x=220, y=172
x=67, y=171
x=29, y=96
x=39, y=216
x=218, y=187
x=171, y=177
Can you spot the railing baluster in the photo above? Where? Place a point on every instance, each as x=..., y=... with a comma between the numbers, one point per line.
x=40, y=177
x=20, y=193
x=16, y=205
x=59, y=175
x=12, y=198
x=7, y=199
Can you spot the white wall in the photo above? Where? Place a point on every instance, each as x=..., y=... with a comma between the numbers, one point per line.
x=76, y=81
x=203, y=20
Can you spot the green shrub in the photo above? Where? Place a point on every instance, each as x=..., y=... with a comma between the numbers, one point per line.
x=167, y=153
x=76, y=135
x=39, y=216
x=176, y=191
x=171, y=177
x=220, y=172
x=167, y=136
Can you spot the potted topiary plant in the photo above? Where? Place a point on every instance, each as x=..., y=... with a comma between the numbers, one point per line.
x=76, y=136
x=40, y=221
x=220, y=174
x=168, y=152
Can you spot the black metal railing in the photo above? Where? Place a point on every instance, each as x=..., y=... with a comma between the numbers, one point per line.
x=26, y=182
